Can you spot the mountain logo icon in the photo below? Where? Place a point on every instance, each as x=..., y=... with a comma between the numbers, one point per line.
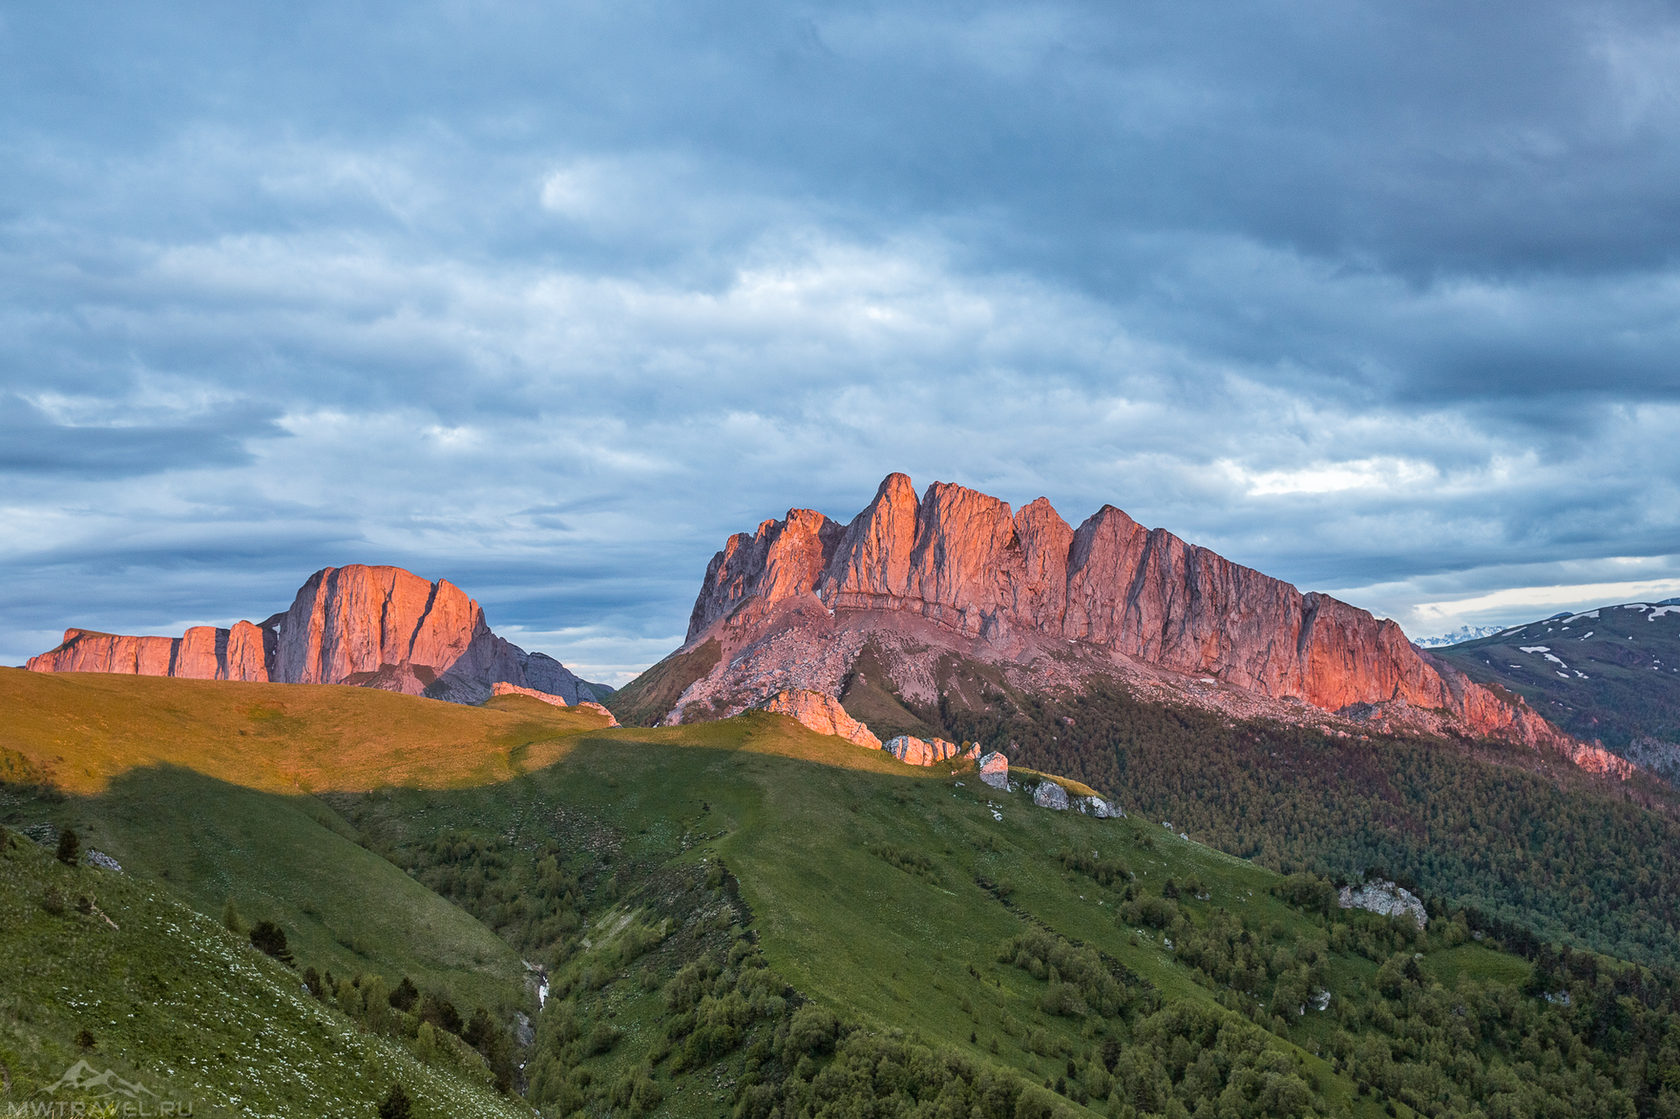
x=83, y=1077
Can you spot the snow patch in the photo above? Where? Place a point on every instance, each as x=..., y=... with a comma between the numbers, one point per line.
x=1535, y=648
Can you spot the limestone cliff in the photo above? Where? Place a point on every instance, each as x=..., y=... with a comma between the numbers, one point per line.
x=379, y=627
x=823, y=714
x=1004, y=580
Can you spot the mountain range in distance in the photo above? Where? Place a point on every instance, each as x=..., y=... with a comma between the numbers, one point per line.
x=918, y=602
x=1456, y=637
x=1609, y=675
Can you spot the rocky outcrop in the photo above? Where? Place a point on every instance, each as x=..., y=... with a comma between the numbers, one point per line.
x=1051, y=795
x=823, y=714
x=911, y=750
x=964, y=562
x=1098, y=807
x=379, y=627
x=591, y=705
x=1386, y=898
x=502, y=687
x=994, y=770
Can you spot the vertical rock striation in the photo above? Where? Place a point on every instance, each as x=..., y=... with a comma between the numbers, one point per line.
x=964, y=561
x=379, y=627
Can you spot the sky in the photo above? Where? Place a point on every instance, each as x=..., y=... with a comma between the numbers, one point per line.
x=548, y=300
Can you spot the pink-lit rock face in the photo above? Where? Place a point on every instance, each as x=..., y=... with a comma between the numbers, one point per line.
x=380, y=627
x=911, y=750
x=502, y=687
x=591, y=705
x=965, y=562
x=823, y=714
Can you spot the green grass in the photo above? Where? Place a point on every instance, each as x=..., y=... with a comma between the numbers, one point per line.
x=80, y=730
x=292, y=861
x=174, y=1001
x=883, y=892
x=1472, y=961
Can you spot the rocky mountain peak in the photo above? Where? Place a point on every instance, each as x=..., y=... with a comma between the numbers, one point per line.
x=375, y=626
x=1003, y=582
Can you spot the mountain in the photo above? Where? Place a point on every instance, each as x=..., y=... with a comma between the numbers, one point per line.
x=1610, y=675
x=808, y=603
x=377, y=627
x=1457, y=636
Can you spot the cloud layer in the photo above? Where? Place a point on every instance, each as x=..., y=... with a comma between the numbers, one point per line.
x=549, y=302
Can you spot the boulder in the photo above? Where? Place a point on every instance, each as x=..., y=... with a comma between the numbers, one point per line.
x=823, y=714
x=994, y=770
x=1051, y=795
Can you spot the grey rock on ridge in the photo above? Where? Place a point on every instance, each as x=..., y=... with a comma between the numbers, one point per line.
x=1050, y=795
x=378, y=627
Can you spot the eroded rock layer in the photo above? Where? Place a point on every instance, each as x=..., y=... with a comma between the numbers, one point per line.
x=379, y=627
x=1011, y=580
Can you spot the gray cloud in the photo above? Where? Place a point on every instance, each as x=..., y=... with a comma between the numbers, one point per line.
x=548, y=302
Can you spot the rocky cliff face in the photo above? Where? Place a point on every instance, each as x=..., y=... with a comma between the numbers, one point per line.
x=378, y=627
x=1005, y=581
x=823, y=714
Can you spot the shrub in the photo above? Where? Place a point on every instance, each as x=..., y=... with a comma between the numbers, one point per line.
x=69, y=848
x=270, y=939
x=812, y=1032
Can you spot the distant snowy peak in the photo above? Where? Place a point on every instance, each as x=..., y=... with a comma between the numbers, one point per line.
x=1457, y=636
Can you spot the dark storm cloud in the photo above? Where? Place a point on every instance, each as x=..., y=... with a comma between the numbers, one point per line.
x=549, y=300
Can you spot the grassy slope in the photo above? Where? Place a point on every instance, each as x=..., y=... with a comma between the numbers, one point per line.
x=81, y=729
x=802, y=819
x=174, y=1001
x=646, y=699
x=880, y=890
x=182, y=773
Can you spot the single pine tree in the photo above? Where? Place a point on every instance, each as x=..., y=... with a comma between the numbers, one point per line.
x=69, y=848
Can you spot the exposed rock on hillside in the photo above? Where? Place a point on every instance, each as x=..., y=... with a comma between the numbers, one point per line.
x=793, y=605
x=1098, y=807
x=502, y=687
x=379, y=627
x=1051, y=795
x=591, y=705
x=994, y=770
x=911, y=750
x=1386, y=898
x=823, y=714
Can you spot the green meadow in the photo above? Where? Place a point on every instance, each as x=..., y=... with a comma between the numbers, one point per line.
x=732, y=918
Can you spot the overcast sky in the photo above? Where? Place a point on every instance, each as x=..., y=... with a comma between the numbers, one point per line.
x=548, y=300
